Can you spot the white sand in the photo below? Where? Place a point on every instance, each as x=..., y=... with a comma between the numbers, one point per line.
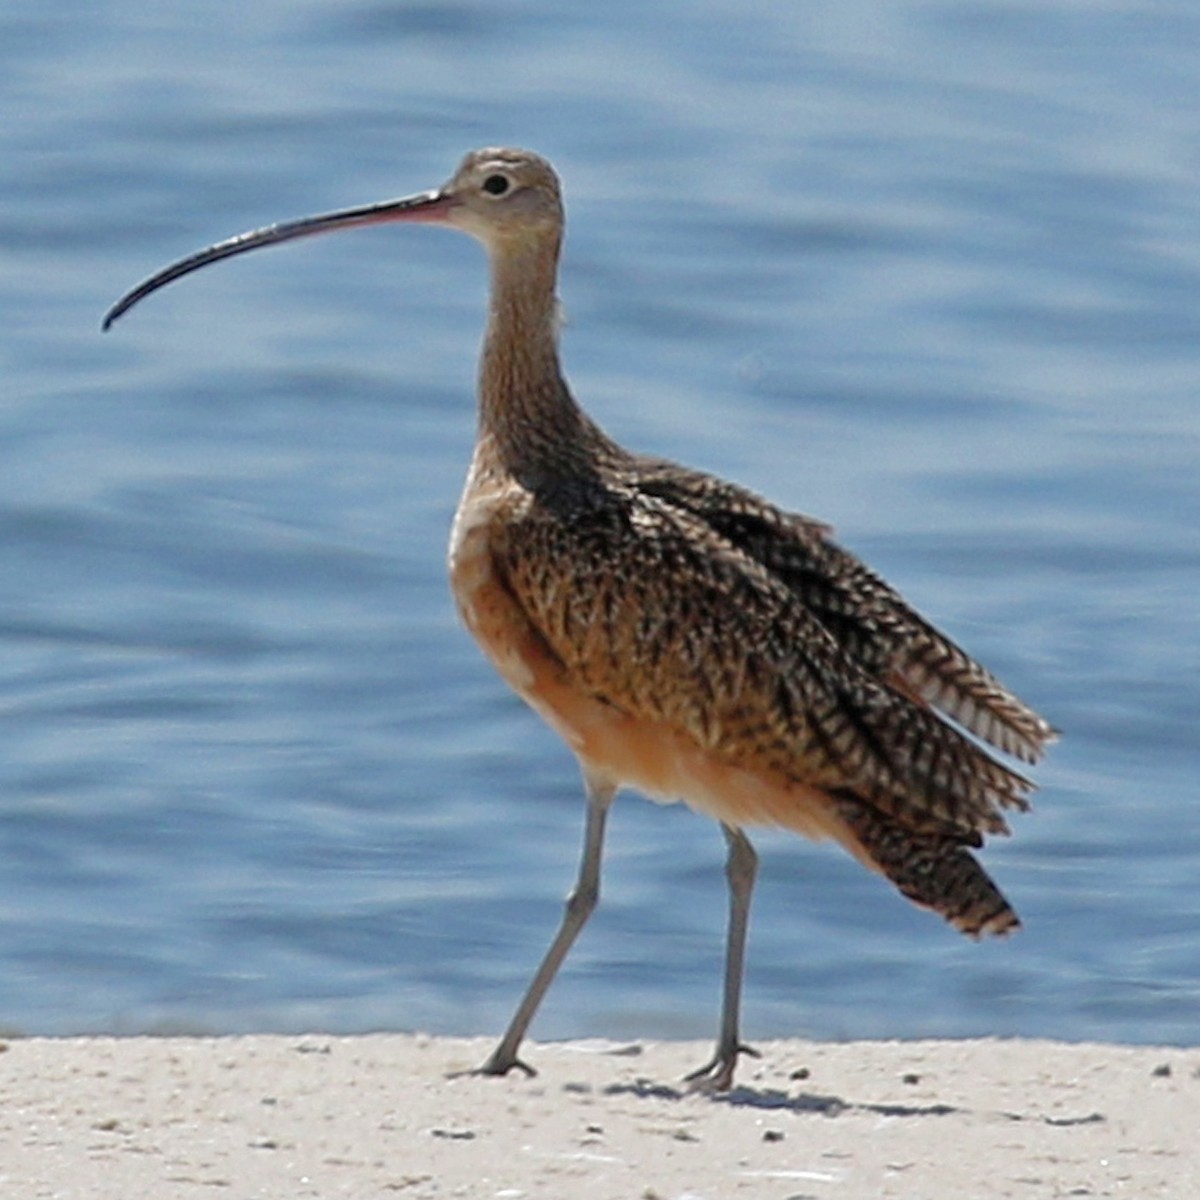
x=376, y=1116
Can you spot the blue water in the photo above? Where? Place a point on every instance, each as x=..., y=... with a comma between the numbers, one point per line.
x=927, y=270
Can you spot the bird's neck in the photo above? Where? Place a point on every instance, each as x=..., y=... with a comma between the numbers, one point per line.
x=529, y=424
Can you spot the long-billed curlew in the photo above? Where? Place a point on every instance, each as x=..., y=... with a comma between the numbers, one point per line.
x=684, y=636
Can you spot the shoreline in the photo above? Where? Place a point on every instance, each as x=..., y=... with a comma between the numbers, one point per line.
x=385, y=1114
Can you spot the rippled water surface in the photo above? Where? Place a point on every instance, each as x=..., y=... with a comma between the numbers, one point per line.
x=927, y=270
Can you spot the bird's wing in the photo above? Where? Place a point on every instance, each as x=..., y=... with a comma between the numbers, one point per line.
x=868, y=618
x=651, y=609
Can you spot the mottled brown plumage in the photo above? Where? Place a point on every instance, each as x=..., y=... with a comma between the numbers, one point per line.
x=685, y=636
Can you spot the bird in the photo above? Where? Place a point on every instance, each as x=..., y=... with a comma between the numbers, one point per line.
x=687, y=638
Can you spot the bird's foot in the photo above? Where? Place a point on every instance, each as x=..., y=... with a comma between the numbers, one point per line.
x=717, y=1074
x=501, y=1061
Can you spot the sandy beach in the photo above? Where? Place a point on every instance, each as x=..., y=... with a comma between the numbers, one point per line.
x=387, y=1115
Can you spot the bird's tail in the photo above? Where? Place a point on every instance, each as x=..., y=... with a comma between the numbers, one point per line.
x=934, y=870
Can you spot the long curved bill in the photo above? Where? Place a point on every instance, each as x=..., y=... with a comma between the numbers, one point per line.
x=428, y=207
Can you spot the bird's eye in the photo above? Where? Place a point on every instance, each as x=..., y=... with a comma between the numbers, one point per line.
x=496, y=185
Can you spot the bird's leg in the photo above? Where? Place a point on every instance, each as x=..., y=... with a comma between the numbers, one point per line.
x=580, y=904
x=740, y=869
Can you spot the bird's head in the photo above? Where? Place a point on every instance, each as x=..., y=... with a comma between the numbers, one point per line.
x=504, y=197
